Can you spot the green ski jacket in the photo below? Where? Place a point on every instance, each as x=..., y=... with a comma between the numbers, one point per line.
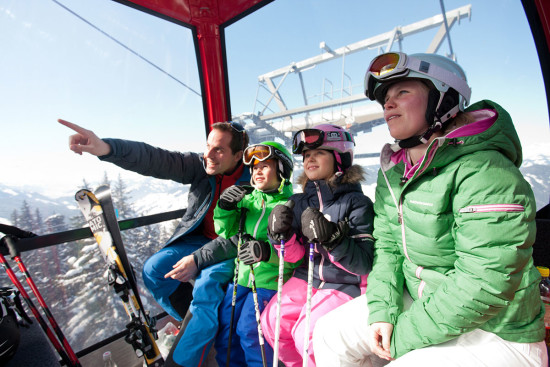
x=457, y=235
x=259, y=206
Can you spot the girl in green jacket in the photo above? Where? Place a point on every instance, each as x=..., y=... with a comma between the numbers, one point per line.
x=453, y=282
x=271, y=167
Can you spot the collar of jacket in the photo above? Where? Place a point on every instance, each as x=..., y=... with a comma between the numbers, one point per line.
x=352, y=176
x=331, y=189
x=499, y=135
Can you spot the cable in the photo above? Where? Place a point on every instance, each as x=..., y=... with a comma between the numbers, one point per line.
x=127, y=48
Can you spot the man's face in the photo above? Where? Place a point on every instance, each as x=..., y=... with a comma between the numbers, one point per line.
x=218, y=155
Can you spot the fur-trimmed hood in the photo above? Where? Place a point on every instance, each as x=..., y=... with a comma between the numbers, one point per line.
x=353, y=175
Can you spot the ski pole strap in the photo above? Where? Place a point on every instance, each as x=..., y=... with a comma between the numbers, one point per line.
x=7, y=246
x=10, y=298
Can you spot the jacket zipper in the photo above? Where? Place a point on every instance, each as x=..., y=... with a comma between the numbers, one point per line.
x=216, y=184
x=259, y=220
x=485, y=208
x=200, y=208
x=400, y=216
x=254, y=235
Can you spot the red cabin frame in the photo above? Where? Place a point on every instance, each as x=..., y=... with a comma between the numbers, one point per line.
x=208, y=18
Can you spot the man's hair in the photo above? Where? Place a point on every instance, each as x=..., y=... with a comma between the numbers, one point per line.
x=239, y=137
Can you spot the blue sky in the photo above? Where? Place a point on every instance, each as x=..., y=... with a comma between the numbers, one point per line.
x=54, y=65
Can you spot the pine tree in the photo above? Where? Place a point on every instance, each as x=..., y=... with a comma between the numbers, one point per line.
x=85, y=184
x=14, y=218
x=140, y=243
x=106, y=180
x=38, y=225
x=55, y=223
x=25, y=218
x=121, y=199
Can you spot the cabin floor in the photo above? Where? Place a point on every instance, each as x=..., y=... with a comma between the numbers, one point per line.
x=36, y=350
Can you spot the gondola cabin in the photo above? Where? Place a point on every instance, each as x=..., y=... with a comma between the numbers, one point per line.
x=163, y=72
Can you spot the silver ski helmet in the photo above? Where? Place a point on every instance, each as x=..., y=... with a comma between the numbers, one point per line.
x=449, y=90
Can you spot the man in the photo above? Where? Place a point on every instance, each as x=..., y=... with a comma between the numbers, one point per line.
x=167, y=273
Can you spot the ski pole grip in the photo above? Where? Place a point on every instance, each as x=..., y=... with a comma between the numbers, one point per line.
x=290, y=204
x=8, y=246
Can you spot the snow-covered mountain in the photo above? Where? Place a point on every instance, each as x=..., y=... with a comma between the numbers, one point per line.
x=150, y=195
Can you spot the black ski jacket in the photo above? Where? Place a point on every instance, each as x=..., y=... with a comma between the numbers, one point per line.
x=186, y=168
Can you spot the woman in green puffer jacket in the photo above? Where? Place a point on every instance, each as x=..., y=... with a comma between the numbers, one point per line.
x=453, y=282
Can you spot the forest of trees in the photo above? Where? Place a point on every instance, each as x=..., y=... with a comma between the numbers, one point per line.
x=72, y=276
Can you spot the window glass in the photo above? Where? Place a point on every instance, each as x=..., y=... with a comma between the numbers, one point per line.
x=121, y=73
x=494, y=45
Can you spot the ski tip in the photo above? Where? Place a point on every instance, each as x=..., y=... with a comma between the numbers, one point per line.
x=80, y=194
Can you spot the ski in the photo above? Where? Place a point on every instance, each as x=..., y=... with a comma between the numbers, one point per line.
x=100, y=214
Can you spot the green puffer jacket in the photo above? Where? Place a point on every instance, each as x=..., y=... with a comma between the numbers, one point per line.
x=457, y=235
x=259, y=205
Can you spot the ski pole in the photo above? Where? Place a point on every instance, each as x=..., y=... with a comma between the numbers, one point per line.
x=235, y=280
x=258, y=320
x=35, y=312
x=15, y=256
x=308, y=304
x=290, y=204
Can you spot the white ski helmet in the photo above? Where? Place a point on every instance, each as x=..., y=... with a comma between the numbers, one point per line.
x=449, y=90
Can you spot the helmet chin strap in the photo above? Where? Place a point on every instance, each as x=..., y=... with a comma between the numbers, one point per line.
x=421, y=139
x=338, y=162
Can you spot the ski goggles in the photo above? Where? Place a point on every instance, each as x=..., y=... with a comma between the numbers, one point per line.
x=386, y=67
x=314, y=138
x=394, y=65
x=258, y=152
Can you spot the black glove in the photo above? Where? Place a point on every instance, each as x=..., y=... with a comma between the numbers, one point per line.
x=254, y=251
x=231, y=196
x=279, y=224
x=320, y=230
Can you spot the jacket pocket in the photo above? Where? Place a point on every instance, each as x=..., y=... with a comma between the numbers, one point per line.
x=485, y=208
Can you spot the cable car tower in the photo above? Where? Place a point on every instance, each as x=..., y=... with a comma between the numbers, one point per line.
x=335, y=105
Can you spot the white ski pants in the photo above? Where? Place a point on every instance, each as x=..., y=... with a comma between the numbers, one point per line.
x=341, y=338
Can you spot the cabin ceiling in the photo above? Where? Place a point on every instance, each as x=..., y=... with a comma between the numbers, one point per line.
x=194, y=12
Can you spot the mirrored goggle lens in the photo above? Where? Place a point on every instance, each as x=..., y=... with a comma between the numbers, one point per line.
x=309, y=138
x=259, y=152
x=384, y=64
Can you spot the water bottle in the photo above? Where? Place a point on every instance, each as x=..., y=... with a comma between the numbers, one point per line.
x=166, y=338
x=108, y=360
x=544, y=287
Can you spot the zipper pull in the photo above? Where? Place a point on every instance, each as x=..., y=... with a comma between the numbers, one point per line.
x=400, y=218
